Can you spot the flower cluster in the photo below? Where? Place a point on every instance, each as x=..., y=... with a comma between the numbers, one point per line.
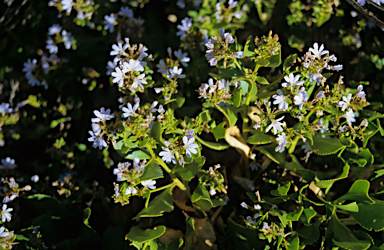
x=129, y=72
x=217, y=91
x=57, y=35
x=228, y=11
x=222, y=51
x=99, y=127
x=124, y=19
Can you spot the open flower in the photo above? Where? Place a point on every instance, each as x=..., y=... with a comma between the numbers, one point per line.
x=282, y=140
x=292, y=80
x=301, y=98
x=318, y=52
x=102, y=115
x=167, y=155
x=346, y=102
x=350, y=116
x=276, y=125
x=281, y=100
x=360, y=93
x=5, y=213
x=190, y=146
x=175, y=73
x=149, y=184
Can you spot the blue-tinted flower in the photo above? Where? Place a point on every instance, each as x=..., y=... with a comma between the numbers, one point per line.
x=8, y=163
x=281, y=100
x=125, y=11
x=110, y=22
x=182, y=57
x=292, y=80
x=359, y=93
x=239, y=54
x=350, y=116
x=321, y=94
x=51, y=46
x=54, y=29
x=130, y=191
x=301, y=98
x=149, y=184
x=102, y=115
x=282, y=139
x=175, y=73
x=5, y=109
x=132, y=66
x=167, y=155
x=130, y=110
x=67, y=39
x=67, y=5
x=184, y=28
x=97, y=140
x=346, y=102
x=138, y=82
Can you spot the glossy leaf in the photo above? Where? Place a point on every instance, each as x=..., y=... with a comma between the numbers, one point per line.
x=201, y=197
x=249, y=48
x=140, y=235
x=326, y=146
x=259, y=137
x=262, y=80
x=156, y=133
x=371, y=216
x=282, y=190
x=219, y=131
x=272, y=154
x=190, y=170
x=213, y=145
x=160, y=204
x=328, y=183
x=358, y=192
x=237, y=97
x=152, y=171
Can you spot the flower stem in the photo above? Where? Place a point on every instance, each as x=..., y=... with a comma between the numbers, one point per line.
x=293, y=145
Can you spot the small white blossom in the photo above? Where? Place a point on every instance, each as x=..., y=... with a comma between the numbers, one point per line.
x=281, y=100
x=182, y=57
x=301, y=98
x=266, y=226
x=3, y=234
x=346, y=102
x=118, y=76
x=67, y=5
x=149, y=184
x=337, y=67
x=276, y=125
x=282, y=140
x=167, y=155
x=130, y=110
x=97, y=140
x=139, y=81
x=132, y=66
x=320, y=94
x=35, y=178
x=292, y=80
x=350, y=116
x=130, y=191
x=190, y=146
x=186, y=24
x=212, y=192
x=360, y=93
x=8, y=163
x=102, y=115
x=175, y=73
x=162, y=67
x=238, y=54
x=5, y=213
x=257, y=207
x=318, y=52
x=244, y=205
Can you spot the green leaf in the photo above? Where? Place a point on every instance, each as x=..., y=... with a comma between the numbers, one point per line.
x=326, y=146
x=262, y=80
x=274, y=61
x=310, y=233
x=253, y=89
x=351, y=207
x=140, y=235
x=269, y=151
x=328, y=183
x=308, y=215
x=343, y=237
x=289, y=61
x=219, y=131
x=204, y=116
x=282, y=190
x=323, y=19
x=372, y=129
x=249, y=48
x=156, y=133
x=358, y=192
x=213, y=145
x=294, y=243
x=201, y=197
x=236, y=99
x=244, y=237
x=39, y=196
x=190, y=170
x=260, y=138
x=370, y=216
x=162, y=203
x=138, y=154
x=87, y=213
x=231, y=117
x=262, y=62
x=152, y=171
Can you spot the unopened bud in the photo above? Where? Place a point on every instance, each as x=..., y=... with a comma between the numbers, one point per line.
x=27, y=188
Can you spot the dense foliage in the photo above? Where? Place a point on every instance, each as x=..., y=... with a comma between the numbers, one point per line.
x=138, y=124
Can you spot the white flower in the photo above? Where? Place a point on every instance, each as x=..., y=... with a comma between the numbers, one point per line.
x=137, y=165
x=167, y=155
x=118, y=76
x=67, y=39
x=281, y=100
x=360, y=93
x=175, y=73
x=138, y=81
x=51, y=46
x=2, y=233
x=212, y=192
x=5, y=213
x=8, y=163
x=130, y=191
x=182, y=57
x=301, y=98
x=223, y=84
x=35, y=178
x=54, y=29
x=212, y=86
x=149, y=184
x=102, y=115
x=132, y=66
x=266, y=226
x=257, y=207
x=189, y=133
x=350, y=116
x=67, y=5
x=320, y=94
x=337, y=67
x=130, y=110
x=110, y=67
x=97, y=140
x=282, y=140
x=292, y=80
x=276, y=125
x=190, y=146
x=118, y=49
x=227, y=37
x=186, y=24
x=162, y=67
x=252, y=220
x=244, y=205
x=346, y=102
x=318, y=52
x=110, y=22
x=238, y=54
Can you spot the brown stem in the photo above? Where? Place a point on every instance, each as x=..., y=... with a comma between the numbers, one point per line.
x=367, y=14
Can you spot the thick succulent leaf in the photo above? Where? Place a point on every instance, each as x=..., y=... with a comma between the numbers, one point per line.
x=162, y=203
x=358, y=192
x=371, y=216
x=143, y=235
x=152, y=171
x=326, y=146
x=259, y=137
